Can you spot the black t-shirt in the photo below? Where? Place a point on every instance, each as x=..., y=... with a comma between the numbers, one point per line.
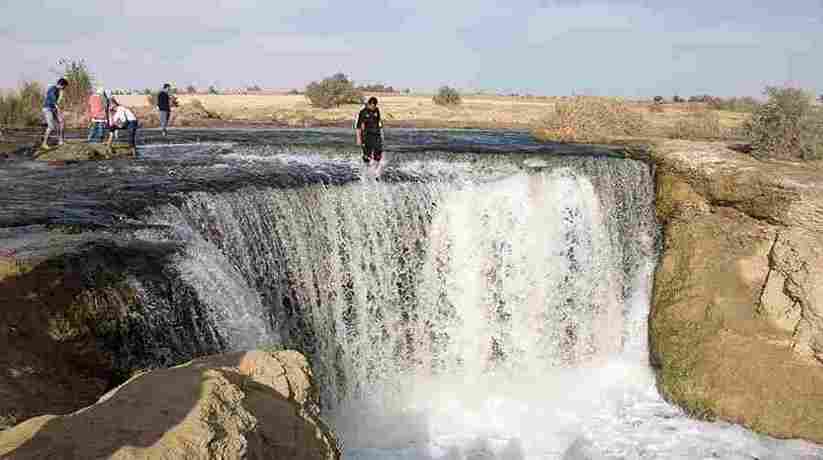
x=369, y=121
x=163, y=103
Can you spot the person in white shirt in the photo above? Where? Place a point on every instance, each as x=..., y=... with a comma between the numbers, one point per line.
x=123, y=118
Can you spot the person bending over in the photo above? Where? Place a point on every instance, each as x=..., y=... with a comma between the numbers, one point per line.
x=123, y=118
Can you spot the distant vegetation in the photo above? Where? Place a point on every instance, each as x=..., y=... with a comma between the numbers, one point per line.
x=333, y=91
x=376, y=88
x=447, y=96
x=81, y=83
x=191, y=89
x=22, y=107
x=254, y=88
x=592, y=119
x=735, y=104
x=732, y=104
x=787, y=126
x=213, y=90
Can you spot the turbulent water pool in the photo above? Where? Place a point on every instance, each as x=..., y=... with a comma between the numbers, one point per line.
x=486, y=299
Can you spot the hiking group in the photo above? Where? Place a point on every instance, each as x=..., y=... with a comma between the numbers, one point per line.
x=105, y=114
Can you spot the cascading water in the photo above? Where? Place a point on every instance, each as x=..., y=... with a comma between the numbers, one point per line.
x=477, y=305
x=472, y=318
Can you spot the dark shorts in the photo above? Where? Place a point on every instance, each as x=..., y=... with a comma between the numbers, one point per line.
x=372, y=148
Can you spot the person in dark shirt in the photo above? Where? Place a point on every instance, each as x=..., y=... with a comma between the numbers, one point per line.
x=51, y=112
x=370, y=133
x=164, y=107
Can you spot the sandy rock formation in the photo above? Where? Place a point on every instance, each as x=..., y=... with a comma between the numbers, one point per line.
x=736, y=327
x=252, y=405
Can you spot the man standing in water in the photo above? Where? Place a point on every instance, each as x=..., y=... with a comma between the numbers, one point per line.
x=51, y=112
x=370, y=134
x=164, y=107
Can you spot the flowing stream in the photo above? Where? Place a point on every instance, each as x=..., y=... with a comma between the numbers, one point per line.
x=487, y=299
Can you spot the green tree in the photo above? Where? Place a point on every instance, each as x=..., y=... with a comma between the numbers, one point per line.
x=333, y=92
x=787, y=126
x=81, y=82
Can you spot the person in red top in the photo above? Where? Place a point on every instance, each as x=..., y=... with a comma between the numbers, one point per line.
x=98, y=114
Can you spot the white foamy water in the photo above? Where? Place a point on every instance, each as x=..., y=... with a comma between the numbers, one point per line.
x=504, y=319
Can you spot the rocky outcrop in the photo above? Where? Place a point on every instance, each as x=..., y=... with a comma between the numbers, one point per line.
x=77, y=151
x=81, y=315
x=736, y=327
x=252, y=405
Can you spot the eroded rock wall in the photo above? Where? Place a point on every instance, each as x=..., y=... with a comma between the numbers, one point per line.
x=735, y=326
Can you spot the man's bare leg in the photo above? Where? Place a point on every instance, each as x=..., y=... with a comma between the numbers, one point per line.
x=61, y=129
x=45, y=144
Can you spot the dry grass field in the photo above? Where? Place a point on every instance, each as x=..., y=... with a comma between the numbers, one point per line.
x=476, y=111
x=405, y=110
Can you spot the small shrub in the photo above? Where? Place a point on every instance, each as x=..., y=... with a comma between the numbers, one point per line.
x=701, y=98
x=592, y=119
x=703, y=125
x=376, y=88
x=195, y=109
x=254, y=88
x=658, y=99
x=294, y=92
x=332, y=92
x=191, y=89
x=678, y=100
x=8, y=421
x=22, y=108
x=213, y=90
x=447, y=96
x=787, y=126
x=81, y=83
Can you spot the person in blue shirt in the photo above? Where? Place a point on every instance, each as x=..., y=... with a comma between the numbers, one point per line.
x=51, y=112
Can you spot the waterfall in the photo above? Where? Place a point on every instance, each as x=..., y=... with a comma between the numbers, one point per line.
x=500, y=316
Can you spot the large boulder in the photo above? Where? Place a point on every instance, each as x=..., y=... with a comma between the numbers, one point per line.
x=736, y=326
x=251, y=405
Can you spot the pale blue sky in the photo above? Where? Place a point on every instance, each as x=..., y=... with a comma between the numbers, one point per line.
x=556, y=47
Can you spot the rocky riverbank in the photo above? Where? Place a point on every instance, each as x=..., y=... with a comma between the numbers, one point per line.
x=736, y=326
